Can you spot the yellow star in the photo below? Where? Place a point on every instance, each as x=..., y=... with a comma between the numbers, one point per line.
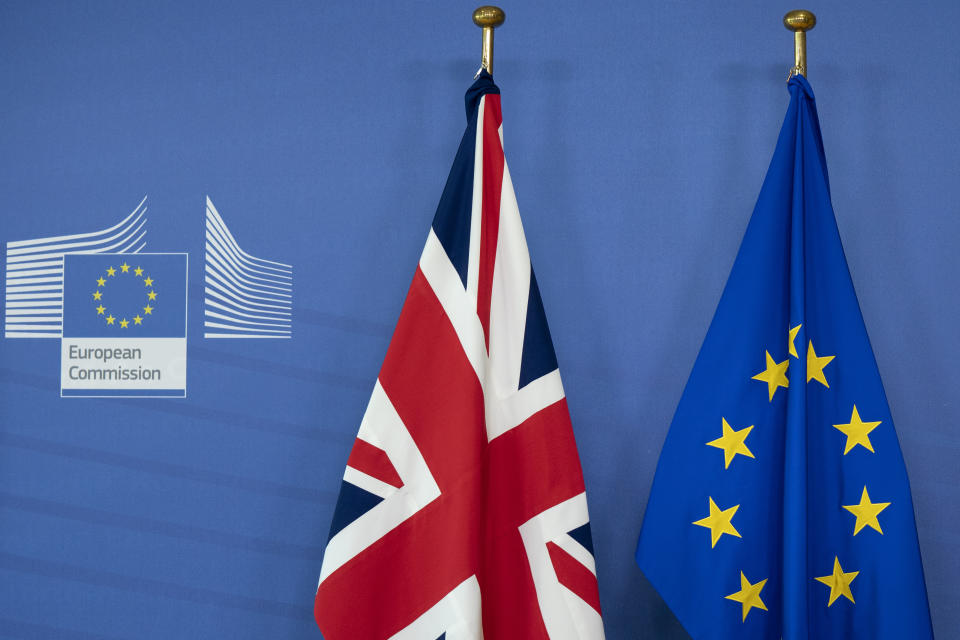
x=97, y=295
x=138, y=271
x=839, y=582
x=137, y=319
x=775, y=375
x=719, y=522
x=793, y=336
x=866, y=512
x=148, y=309
x=148, y=281
x=151, y=296
x=749, y=595
x=124, y=267
x=124, y=323
x=110, y=319
x=101, y=282
x=732, y=442
x=100, y=310
x=815, y=365
x=857, y=432
x=111, y=271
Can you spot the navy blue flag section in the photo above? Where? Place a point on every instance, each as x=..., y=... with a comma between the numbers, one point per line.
x=124, y=325
x=781, y=505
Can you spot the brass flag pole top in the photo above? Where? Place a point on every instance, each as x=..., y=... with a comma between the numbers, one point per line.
x=488, y=18
x=800, y=22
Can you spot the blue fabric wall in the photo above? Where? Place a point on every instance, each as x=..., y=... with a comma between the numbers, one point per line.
x=637, y=135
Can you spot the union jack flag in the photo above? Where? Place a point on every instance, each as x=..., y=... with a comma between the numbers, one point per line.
x=462, y=513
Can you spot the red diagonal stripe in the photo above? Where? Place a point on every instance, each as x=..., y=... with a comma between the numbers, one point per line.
x=530, y=468
x=538, y=456
x=490, y=207
x=400, y=576
x=374, y=462
x=574, y=576
x=488, y=490
x=433, y=387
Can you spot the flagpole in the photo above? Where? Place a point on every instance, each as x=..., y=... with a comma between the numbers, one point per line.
x=488, y=18
x=799, y=21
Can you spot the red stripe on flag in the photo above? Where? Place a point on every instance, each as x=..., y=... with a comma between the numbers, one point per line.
x=374, y=462
x=487, y=491
x=574, y=576
x=510, y=609
x=490, y=207
x=400, y=576
x=535, y=465
x=433, y=387
x=530, y=468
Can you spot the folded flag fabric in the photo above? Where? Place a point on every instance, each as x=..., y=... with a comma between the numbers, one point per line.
x=462, y=512
x=780, y=506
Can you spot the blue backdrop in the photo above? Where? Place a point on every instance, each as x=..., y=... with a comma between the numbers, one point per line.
x=637, y=137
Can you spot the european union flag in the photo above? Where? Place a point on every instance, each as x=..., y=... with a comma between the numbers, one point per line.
x=781, y=506
x=136, y=295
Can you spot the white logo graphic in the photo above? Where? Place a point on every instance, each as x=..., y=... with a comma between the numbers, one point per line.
x=244, y=296
x=34, y=287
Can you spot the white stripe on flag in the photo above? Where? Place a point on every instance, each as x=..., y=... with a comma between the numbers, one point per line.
x=367, y=483
x=457, y=615
x=577, y=551
x=513, y=410
x=509, y=296
x=473, y=263
x=461, y=309
x=382, y=424
x=563, y=622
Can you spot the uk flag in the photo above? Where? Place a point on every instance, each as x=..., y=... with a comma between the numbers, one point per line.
x=462, y=513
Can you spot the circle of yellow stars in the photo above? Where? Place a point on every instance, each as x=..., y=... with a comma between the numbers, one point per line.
x=102, y=281
x=732, y=442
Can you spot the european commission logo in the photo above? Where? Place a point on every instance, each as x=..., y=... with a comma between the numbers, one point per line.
x=121, y=313
x=124, y=325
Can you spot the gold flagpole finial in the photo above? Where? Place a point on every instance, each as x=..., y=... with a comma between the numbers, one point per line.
x=799, y=21
x=488, y=18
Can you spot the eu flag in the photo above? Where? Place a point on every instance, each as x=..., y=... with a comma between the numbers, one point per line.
x=781, y=506
x=116, y=295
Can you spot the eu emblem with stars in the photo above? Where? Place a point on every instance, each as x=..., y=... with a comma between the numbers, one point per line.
x=781, y=506
x=124, y=325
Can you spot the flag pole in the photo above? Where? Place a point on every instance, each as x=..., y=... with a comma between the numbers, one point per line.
x=799, y=21
x=488, y=18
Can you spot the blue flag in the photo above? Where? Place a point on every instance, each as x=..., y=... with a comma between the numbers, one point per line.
x=781, y=506
x=114, y=295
